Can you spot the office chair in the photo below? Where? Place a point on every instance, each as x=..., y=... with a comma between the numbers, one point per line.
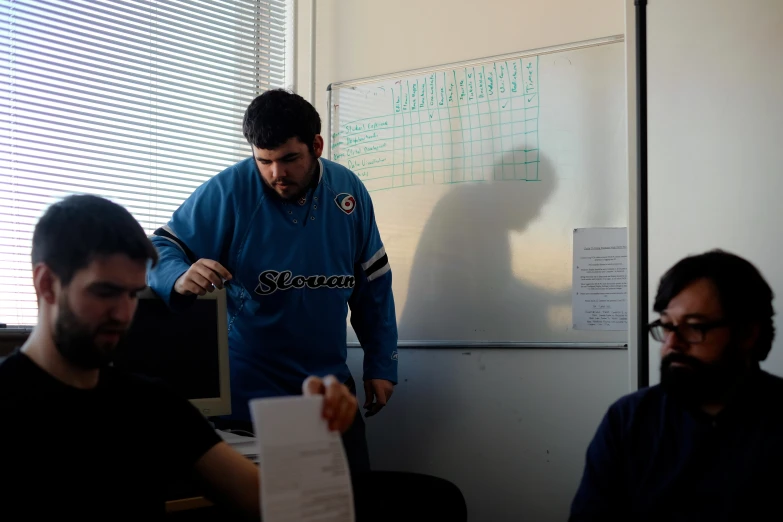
x=396, y=496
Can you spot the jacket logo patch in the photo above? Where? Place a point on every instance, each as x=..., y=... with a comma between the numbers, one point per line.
x=270, y=281
x=346, y=202
x=394, y=356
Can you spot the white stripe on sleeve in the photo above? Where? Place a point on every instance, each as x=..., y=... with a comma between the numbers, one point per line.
x=379, y=254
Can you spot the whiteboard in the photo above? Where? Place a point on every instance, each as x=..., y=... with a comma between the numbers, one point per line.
x=479, y=173
x=714, y=137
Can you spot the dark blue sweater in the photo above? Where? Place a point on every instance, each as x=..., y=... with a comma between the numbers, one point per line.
x=654, y=459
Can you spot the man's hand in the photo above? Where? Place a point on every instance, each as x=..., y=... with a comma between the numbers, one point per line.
x=339, y=403
x=205, y=275
x=377, y=393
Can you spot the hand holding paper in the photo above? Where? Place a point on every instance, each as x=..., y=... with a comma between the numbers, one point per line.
x=302, y=459
x=339, y=404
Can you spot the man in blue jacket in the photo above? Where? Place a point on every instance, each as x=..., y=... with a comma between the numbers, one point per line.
x=706, y=443
x=293, y=239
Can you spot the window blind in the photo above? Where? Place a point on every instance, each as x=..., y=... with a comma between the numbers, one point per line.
x=138, y=101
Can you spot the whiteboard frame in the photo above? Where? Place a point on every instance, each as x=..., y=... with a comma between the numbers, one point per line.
x=504, y=345
x=352, y=84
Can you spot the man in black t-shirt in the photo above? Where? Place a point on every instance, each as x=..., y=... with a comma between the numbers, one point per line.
x=80, y=440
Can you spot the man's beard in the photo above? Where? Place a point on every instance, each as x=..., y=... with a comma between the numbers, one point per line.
x=78, y=344
x=700, y=382
x=312, y=180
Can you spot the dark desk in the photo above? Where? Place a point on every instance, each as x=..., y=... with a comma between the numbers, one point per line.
x=187, y=504
x=379, y=496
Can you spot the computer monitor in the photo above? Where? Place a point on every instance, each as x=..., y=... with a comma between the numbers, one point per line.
x=187, y=349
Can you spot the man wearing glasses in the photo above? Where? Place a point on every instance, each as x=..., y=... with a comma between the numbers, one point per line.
x=707, y=442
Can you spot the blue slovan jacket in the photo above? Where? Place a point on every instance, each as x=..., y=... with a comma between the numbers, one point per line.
x=296, y=267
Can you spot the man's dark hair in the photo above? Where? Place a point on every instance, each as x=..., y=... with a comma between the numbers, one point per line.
x=77, y=229
x=277, y=116
x=745, y=296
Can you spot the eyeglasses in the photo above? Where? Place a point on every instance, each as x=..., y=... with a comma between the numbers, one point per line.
x=692, y=333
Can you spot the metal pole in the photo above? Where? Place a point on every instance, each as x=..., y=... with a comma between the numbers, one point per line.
x=643, y=340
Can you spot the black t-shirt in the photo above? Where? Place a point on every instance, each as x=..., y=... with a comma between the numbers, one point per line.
x=100, y=454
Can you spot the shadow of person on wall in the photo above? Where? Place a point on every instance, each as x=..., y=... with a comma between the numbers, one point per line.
x=462, y=279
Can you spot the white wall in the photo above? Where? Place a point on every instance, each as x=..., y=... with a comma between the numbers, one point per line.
x=359, y=38
x=714, y=75
x=633, y=222
x=508, y=427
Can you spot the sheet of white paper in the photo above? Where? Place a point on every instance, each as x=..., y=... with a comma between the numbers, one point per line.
x=600, y=283
x=304, y=471
x=247, y=446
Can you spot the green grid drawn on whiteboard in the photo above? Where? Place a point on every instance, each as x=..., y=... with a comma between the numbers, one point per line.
x=477, y=125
